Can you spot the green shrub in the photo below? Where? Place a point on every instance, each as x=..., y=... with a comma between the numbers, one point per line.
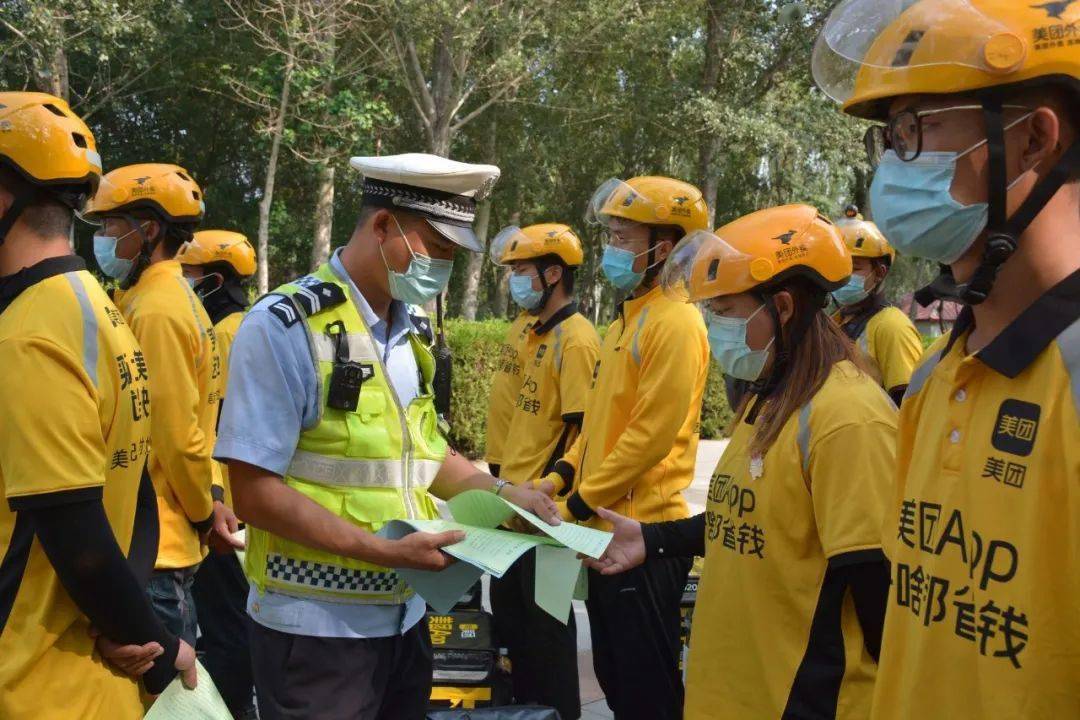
x=475, y=346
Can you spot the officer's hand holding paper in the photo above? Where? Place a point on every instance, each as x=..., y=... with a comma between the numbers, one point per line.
x=487, y=549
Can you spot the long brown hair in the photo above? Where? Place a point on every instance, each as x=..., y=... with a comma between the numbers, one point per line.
x=810, y=360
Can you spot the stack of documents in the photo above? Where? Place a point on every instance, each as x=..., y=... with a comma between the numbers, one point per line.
x=487, y=549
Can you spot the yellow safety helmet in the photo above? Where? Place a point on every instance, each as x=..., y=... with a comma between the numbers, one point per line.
x=872, y=50
x=168, y=190
x=758, y=252
x=514, y=243
x=48, y=145
x=649, y=200
x=863, y=238
x=208, y=247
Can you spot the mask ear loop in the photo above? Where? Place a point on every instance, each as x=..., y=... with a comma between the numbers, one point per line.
x=1003, y=233
x=547, y=287
x=142, y=260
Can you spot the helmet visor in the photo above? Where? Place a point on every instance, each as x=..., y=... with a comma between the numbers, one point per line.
x=894, y=36
x=704, y=266
x=618, y=199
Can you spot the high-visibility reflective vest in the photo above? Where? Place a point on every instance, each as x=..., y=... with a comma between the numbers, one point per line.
x=367, y=466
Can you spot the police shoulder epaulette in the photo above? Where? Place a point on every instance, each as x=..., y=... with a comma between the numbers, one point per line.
x=422, y=324
x=310, y=296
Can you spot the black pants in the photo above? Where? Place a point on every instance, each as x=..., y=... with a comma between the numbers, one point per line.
x=543, y=651
x=634, y=619
x=221, y=592
x=311, y=678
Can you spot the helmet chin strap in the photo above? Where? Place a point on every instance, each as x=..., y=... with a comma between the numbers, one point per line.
x=142, y=260
x=20, y=202
x=548, y=290
x=1003, y=232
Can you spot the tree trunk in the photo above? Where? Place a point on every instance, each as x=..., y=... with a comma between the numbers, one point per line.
x=475, y=269
x=502, y=280
x=267, y=200
x=58, y=71
x=708, y=180
x=324, y=215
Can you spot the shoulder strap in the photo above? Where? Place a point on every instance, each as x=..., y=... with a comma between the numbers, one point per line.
x=303, y=298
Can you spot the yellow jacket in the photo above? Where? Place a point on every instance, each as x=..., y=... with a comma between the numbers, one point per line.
x=185, y=387
x=505, y=383
x=226, y=333
x=638, y=444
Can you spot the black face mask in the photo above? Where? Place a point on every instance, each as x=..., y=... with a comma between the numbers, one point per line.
x=208, y=285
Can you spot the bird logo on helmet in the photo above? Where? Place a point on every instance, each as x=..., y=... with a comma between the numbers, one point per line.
x=742, y=257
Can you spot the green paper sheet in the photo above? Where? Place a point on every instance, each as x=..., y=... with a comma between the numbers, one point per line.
x=485, y=509
x=179, y=703
x=556, y=576
x=488, y=549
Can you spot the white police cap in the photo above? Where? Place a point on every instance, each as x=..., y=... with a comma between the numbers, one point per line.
x=441, y=190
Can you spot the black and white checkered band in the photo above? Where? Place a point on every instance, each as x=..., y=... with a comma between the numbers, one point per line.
x=437, y=205
x=305, y=573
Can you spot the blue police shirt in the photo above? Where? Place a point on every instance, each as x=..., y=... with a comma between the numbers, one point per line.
x=272, y=396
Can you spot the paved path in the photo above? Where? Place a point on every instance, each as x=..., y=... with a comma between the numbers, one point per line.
x=593, y=706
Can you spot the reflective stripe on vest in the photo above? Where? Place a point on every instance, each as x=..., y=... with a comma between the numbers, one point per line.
x=349, y=472
x=90, y=327
x=922, y=373
x=1069, y=343
x=804, y=436
x=635, y=346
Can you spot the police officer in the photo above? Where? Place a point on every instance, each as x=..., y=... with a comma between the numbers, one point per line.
x=148, y=211
x=330, y=431
x=794, y=574
x=218, y=264
x=75, y=502
x=977, y=168
x=557, y=348
x=638, y=444
x=883, y=333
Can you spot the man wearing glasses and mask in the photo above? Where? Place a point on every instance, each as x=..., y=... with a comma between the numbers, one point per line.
x=977, y=169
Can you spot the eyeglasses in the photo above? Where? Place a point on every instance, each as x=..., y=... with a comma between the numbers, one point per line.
x=904, y=133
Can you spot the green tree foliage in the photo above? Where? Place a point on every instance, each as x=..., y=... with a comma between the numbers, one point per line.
x=561, y=94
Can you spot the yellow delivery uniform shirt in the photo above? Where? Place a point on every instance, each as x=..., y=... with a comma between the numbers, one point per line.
x=73, y=421
x=185, y=383
x=504, y=387
x=558, y=359
x=984, y=531
x=638, y=444
x=225, y=331
x=821, y=491
x=892, y=343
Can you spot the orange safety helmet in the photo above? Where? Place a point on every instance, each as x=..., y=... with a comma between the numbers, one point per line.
x=514, y=243
x=208, y=247
x=46, y=143
x=863, y=238
x=168, y=190
x=649, y=200
x=758, y=252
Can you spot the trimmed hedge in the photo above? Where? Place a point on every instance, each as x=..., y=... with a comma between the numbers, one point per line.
x=475, y=346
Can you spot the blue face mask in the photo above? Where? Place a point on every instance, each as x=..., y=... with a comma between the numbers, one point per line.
x=727, y=340
x=521, y=290
x=105, y=253
x=425, y=277
x=618, y=267
x=854, y=292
